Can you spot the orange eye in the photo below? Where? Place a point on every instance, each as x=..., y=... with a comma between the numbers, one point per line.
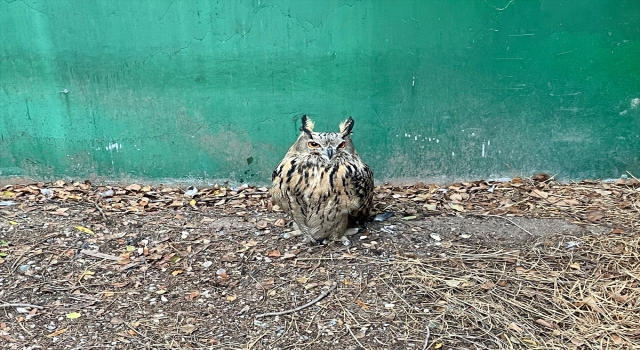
x=342, y=144
x=312, y=144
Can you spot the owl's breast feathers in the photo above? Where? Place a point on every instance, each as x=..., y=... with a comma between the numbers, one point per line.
x=306, y=185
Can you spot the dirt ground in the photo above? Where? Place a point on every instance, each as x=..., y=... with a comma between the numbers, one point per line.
x=525, y=264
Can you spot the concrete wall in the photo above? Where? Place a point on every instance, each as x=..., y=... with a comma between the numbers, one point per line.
x=215, y=89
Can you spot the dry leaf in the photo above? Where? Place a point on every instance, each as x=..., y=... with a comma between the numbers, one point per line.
x=231, y=297
x=590, y=302
x=515, y=327
x=453, y=283
x=616, y=339
x=133, y=187
x=193, y=295
x=595, y=215
x=539, y=194
x=188, y=328
x=617, y=231
x=176, y=272
x=456, y=207
x=575, y=266
x=261, y=225
x=73, y=315
x=547, y=324
x=57, y=333
x=487, y=285
x=431, y=206
x=84, y=229
x=302, y=280
x=274, y=254
x=362, y=304
x=621, y=298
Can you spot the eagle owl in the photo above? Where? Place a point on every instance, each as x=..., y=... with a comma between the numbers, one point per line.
x=323, y=184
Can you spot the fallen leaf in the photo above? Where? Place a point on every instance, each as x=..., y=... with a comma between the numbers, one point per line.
x=412, y=217
x=575, y=266
x=231, y=297
x=515, y=327
x=539, y=194
x=176, y=272
x=621, y=298
x=617, y=231
x=529, y=341
x=133, y=187
x=362, y=304
x=487, y=285
x=453, y=283
x=57, y=333
x=590, y=302
x=431, y=206
x=595, y=215
x=302, y=280
x=73, y=315
x=274, y=254
x=616, y=339
x=546, y=323
x=188, y=328
x=279, y=223
x=176, y=204
x=193, y=295
x=456, y=207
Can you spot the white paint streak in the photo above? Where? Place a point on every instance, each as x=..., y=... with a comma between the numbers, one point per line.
x=483, y=150
x=117, y=146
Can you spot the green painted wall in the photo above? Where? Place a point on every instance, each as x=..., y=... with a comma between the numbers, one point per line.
x=215, y=89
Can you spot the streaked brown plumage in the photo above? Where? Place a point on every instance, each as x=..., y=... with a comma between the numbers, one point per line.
x=323, y=184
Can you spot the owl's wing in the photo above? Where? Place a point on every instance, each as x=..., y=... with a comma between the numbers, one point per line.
x=362, y=191
x=281, y=177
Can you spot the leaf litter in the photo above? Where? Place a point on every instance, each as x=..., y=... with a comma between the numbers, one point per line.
x=521, y=264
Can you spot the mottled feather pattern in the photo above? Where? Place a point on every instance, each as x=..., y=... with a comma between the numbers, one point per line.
x=322, y=183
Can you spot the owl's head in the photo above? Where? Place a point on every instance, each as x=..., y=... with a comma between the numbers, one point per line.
x=326, y=145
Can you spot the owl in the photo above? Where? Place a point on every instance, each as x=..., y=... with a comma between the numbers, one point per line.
x=323, y=184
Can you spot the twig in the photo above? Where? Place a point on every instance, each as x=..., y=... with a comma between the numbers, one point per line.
x=630, y=174
x=21, y=305
x=104, y=217
x=354, y=337
x=100, y=255
x=320, y=297
x=426, y=340
x=502, y=217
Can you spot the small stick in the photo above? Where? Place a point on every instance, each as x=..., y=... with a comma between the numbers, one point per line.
x=21, y=305
x=104, y=217
x=630, y=174
x=502, y=217
x=426, y=340
x=320, y=297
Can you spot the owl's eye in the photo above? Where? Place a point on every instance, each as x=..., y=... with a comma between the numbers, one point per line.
x=312, y=144
x=342, y=144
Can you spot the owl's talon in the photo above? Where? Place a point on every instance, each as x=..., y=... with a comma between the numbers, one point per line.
x=352, y=231
x=290, y=234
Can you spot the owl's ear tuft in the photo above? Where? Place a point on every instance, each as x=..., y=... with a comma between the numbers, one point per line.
x=307, y=125
x=346, y=126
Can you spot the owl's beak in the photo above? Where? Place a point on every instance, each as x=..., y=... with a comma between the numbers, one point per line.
x=330, y=152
